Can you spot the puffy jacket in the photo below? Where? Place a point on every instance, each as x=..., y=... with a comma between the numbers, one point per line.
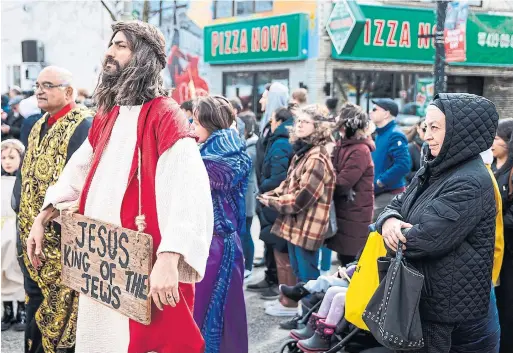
x=354, y=172
x=276, y=160
x=391, y=158
x=451, y=205
x=252, y=191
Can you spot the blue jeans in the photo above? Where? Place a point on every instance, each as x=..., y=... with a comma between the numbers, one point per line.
x=476, y=336
x=325, y=257
x=248, y=247
x=304, y=263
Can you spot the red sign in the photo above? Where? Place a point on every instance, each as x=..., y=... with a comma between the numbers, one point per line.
x=188, y=83
x=455, y=31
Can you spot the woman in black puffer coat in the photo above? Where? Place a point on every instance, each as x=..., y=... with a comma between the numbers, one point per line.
x=277, y=153
x=502, y=167
x=449, y=209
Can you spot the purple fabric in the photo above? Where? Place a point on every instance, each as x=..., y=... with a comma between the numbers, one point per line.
x=235, y=331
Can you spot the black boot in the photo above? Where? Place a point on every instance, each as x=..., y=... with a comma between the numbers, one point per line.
x=307, y=331
x=296, y=292
x=259, y=286
x=21, y=318
x=8, y=317
x=321, y=340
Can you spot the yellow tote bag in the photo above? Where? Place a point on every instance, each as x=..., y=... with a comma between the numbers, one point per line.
x=365, y=280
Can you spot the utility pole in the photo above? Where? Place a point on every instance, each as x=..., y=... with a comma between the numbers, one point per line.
x=439, y=70
x=127, y=10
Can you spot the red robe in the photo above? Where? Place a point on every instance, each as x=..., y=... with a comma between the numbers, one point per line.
x=160, y=125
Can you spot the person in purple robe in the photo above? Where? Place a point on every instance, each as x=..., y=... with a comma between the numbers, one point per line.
x=220, y=310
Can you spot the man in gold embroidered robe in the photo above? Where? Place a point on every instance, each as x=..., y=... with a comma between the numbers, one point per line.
x=51, y=307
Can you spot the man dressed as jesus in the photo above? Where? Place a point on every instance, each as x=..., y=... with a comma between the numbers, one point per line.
x=137, y=123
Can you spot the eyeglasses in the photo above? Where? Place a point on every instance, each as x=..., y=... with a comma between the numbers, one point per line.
x=46, y=86
x=300, y=121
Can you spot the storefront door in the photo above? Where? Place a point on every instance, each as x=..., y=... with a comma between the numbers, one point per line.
x=250, y=85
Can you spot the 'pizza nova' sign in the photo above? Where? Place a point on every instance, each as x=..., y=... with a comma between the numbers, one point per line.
x=276, y=38
x=394, y=34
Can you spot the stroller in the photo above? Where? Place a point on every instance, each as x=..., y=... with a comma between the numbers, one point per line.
x=353, y=337
x=347, y=337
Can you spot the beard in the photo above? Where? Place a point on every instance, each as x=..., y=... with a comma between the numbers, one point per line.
x=111, y=61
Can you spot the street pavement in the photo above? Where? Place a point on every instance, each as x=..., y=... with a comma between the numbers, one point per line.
x=264, y=334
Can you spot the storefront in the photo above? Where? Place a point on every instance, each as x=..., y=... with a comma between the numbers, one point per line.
x=389, y=56
x=246, y=55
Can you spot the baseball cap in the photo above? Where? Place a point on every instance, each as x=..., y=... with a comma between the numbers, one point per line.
x=387, y=104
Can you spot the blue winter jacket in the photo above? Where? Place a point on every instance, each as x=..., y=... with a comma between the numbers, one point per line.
x=391, y=158
x=277, y=156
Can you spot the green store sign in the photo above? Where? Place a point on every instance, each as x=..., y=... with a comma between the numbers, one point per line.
x=279, y=38
x=391, y=34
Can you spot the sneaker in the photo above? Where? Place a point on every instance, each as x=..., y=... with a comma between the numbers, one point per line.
x=271, y=293
x=259, y=286
x=270, y=303
x=21, y=318
x=8, y=317
x=291, y=324
x=295, y=293
x=259, y=263
x=280, y=310
x=248, y=275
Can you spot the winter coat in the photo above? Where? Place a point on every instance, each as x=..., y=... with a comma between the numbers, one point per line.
x=252, y=191
x=503, y=181
x=414, y=148
x=354, y=172
x=14, y=122
x=451, y=205
x=27, y=126
x=303, y=199
x=391, y=158
x=275, y=163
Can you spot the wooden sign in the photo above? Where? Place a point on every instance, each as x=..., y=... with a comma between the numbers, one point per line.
x=107, y=263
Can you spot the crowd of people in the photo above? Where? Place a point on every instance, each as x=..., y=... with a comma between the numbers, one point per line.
x=316, y=176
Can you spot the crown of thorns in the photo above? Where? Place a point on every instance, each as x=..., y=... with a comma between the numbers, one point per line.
x=147, y=32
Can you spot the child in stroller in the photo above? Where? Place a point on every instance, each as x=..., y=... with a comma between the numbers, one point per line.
x=325, y=328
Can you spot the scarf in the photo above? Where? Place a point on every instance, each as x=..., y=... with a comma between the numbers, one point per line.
x=228, y=167
x=300, y=147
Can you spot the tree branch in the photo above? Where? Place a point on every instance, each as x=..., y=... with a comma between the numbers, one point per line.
x=109, y=11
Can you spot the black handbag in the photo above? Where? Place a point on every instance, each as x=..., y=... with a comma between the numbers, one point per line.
x=332, y=222
x=392, y=315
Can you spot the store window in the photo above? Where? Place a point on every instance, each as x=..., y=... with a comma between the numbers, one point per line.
x=250, y=85
x=361, y=87
x=230, y=8
x=465, y=84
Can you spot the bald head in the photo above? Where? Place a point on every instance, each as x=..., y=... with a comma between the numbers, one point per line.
x=54, y=89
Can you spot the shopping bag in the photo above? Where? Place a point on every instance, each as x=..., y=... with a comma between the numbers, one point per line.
x=365, y=280
x=392, y=314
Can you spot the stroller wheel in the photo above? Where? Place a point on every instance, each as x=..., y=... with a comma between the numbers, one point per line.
x=290, y=346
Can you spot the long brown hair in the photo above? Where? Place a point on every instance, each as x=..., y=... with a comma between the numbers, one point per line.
x=138, y=82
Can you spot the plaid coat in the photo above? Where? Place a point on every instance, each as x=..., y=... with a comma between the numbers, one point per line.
x=303, y=199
